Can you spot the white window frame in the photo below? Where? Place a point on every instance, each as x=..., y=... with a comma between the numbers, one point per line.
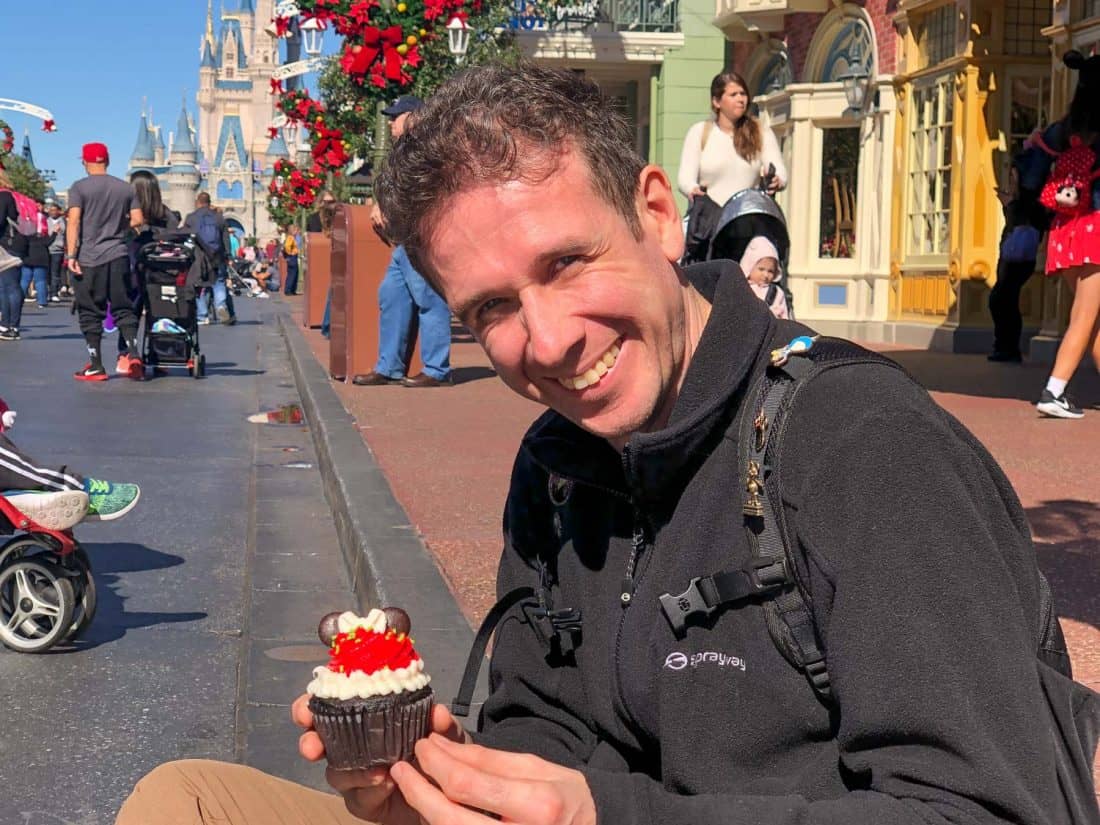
x=1040, y=73
x=930, y=132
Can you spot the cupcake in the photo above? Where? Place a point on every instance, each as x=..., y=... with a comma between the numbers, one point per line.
x=371, y=702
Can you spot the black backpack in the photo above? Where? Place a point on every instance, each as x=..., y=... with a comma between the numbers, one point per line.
x=772, y=575
x=771, y=578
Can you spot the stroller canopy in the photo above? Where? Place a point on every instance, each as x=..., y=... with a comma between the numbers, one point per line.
x=746, y=214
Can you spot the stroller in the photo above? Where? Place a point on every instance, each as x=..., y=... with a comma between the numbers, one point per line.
x=175, y=266
x=47, y=592
x=745, y=215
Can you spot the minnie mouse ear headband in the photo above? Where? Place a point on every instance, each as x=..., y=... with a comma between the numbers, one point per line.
x=1088, y=68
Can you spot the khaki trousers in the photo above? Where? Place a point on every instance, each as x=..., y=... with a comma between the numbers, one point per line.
x=204, y=792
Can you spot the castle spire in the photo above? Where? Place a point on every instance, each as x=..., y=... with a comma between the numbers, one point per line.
x=182, y=144
x=143, y=148
x=209, y=37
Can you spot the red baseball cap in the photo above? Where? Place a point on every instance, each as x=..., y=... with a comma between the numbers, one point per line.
x=95, y=153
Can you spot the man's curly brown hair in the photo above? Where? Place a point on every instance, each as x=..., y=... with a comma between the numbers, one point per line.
x=496, y=124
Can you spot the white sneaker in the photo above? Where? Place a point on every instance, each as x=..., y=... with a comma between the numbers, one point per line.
x=1060, y=407
x=56, y=511
x=54, y=299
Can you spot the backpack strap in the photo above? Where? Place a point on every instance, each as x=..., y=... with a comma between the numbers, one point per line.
x=789, y=615
x=708, y=127
x=771, y=575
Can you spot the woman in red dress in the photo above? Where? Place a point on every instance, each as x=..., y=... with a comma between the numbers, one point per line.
x=1073, y=245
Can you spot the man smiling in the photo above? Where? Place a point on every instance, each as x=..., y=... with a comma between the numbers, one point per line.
x=519, y=196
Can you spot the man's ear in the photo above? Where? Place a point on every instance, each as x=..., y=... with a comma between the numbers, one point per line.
x=658, y=213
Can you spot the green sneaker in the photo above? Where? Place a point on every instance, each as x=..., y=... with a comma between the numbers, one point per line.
x=108, y=501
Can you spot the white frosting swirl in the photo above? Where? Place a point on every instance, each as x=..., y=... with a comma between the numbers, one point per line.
x=328, y=684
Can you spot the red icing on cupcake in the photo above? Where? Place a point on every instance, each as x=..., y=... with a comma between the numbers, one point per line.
x=368, y=651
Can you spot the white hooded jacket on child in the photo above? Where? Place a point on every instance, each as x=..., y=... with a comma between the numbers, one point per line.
x=759, y=248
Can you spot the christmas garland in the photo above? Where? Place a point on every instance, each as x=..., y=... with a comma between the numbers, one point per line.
x=8, y=143
x=381, y=48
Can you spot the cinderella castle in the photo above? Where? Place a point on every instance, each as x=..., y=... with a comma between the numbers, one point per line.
x=229, y=155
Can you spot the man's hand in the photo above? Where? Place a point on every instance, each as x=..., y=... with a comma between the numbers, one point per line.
x=697, y=192
x=369, y=794
x=454, y=778
x=74, y=268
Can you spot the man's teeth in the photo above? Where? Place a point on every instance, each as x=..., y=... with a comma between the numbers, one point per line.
x=592, y=376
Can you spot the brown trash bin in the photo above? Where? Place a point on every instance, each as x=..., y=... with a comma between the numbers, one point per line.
x=359, y=261
x=318, y=277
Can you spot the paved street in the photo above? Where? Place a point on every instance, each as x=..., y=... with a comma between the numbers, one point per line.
x=209, y=592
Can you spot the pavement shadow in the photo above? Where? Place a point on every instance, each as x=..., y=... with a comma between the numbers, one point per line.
x=1067, y=542
x=226, y=368
x=111, y=621
x=464, y=375
x=65, y=336
x=974, y=375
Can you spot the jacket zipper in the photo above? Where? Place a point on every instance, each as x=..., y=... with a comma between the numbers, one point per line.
x=626, y=596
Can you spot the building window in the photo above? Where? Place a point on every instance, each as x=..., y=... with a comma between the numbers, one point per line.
x=929, y=164
x=1029, y=96
x=1023, y=21
x=1093, y=9
x=777, y=74
x=937, y=34
x=228, y=72
x=839, y=176
x=851, y=45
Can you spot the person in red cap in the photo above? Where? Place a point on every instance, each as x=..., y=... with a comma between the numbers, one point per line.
x=102, y=210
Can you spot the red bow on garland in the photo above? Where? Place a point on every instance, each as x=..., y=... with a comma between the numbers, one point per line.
x=272, y=132
x=277, y=86
x=48, y=126
x=358, y=59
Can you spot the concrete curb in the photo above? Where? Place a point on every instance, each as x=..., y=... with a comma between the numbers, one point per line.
x=387, y=561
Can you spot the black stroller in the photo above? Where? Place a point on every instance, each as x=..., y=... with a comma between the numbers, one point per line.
x=174, y=266
x=745, y=215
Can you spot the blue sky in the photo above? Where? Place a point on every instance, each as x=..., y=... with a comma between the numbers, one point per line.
x=91, y=62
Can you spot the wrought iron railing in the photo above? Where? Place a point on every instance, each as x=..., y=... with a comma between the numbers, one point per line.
x=583, y=15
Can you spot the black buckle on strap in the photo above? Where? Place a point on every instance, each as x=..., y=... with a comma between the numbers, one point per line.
x=555, y=626
x=691, y=602
x=705, y=594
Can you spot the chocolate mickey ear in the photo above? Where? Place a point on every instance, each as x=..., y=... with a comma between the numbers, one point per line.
x=328, y=628
x=397, y=620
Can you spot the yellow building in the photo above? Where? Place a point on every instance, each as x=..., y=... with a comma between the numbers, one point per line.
x=974, y=79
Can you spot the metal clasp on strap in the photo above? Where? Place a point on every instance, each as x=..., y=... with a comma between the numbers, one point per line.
x=769, y=574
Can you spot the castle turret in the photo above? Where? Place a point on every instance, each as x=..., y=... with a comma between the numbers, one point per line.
x=182, y=180
x=144, y=155
x=158, y=146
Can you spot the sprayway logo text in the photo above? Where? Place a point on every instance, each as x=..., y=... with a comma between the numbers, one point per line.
x=678, y=661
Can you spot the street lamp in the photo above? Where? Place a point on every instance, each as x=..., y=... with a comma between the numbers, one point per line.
x=313, y=33
x=855, y=80
x=458, y=38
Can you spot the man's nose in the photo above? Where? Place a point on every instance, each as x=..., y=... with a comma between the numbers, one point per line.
x=555, y=337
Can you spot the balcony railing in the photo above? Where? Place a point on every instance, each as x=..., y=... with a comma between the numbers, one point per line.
x=615, y=15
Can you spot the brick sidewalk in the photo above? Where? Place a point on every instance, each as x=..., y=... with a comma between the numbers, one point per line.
x=448, y=454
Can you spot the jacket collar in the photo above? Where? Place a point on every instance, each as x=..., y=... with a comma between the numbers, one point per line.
x=655, y=467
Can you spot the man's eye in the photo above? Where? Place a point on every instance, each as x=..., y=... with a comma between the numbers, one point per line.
x=489, y=306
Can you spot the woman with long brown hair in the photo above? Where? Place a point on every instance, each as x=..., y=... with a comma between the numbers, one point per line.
x=724, y=155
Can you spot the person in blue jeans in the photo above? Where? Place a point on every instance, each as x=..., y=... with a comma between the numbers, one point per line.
x=36, y=267
x=404, y=291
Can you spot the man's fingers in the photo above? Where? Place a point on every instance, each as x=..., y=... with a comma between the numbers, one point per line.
x=447, y=725
x=311, y=747
x=372, y=779
x=428, y=801
x=467, y=783
x=500, y=763
x=300, y=712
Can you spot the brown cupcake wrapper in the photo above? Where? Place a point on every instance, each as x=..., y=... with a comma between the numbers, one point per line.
x=374, y=732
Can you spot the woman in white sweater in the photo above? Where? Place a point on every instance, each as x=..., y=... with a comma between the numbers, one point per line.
x=723, y=156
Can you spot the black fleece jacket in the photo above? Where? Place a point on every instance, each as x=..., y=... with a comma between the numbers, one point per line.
x=924, y=586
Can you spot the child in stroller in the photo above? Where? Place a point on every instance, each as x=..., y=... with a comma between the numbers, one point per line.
x=47, y=592
x=176, y=265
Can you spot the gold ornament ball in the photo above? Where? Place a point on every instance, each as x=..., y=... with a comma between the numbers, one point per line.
x=411, y=39
x=401, y=7
x=423, y=32
x=402, y=50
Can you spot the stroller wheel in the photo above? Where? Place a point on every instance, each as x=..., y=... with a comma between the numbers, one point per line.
x=200, y=367
x=84, y=594
x=36, y=605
